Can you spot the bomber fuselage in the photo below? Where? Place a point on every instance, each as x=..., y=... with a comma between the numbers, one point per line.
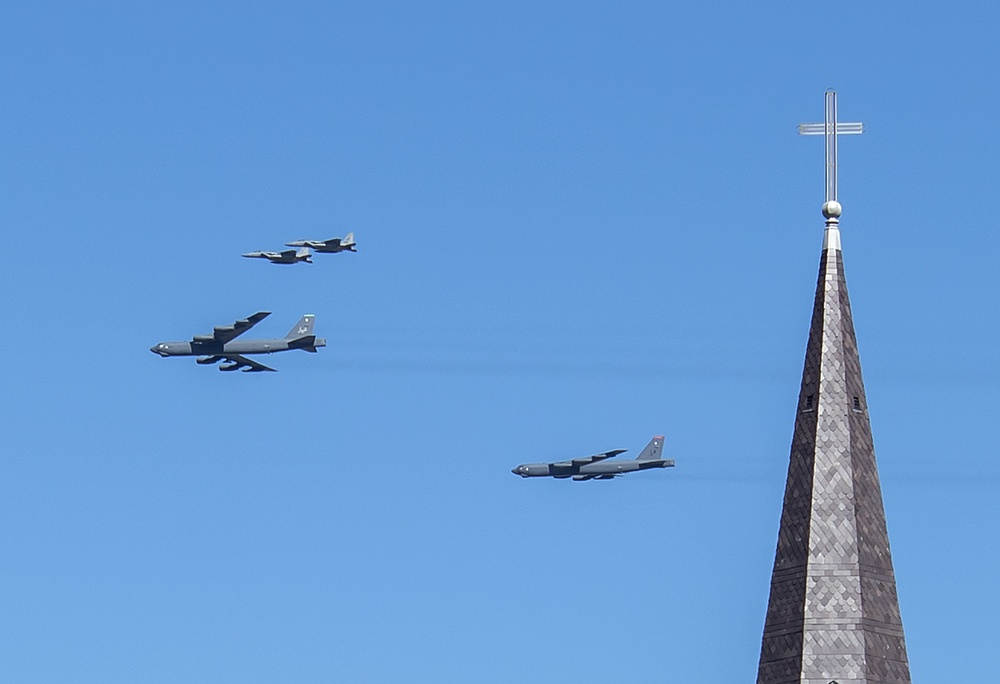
x=213, y=348
x=606, y=467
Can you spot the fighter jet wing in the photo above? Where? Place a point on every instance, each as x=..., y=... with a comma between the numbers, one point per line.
x=584, y=460
x=225, y=333
x=240, y=361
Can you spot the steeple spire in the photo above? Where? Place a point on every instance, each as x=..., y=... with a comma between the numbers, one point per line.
x=833, y=614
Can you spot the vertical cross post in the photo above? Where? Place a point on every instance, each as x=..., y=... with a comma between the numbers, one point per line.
x=830, y=133
x=830, y=129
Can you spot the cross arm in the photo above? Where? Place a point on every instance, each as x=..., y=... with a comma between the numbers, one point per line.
x=842, y=128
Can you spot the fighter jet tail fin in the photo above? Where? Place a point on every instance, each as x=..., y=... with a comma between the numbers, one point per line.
x=348, y=242
x=653, y=450
x=304, y=328
x=305, y=254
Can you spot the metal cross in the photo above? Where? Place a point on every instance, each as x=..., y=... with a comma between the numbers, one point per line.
x=831, y=129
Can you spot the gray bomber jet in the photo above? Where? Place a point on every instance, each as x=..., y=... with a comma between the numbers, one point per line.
x=288, y=256
x=596, y=467
x=220, y=344
x=331, y=246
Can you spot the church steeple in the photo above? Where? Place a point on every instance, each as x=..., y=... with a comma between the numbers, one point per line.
x=833, y=614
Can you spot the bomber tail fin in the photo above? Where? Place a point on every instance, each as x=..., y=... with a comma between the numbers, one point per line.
x=304, y=328
x=653, y=450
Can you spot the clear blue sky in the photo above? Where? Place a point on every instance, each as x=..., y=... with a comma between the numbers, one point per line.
x=579, y=225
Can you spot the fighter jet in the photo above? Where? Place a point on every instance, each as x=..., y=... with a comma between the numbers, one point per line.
x=331, y=246
x=220, y=346
x=289, y=256
x=596, y=467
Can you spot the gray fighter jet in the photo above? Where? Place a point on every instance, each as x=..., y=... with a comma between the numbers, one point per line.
x=289, y=256
x=220, y=344
x=331, y=246
x=596, y=467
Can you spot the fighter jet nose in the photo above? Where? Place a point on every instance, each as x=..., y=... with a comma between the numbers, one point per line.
x=513, y=470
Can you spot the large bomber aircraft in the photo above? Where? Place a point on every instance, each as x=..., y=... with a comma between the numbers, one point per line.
x=596, y=467
x=220, y=345
x=331, y=246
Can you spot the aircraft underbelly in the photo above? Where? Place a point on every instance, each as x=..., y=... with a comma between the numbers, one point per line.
x=606, y=468
x=256, y=347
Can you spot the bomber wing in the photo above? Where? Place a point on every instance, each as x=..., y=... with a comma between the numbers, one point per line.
x=248, y=365
x=224, y=333
x=584, y=460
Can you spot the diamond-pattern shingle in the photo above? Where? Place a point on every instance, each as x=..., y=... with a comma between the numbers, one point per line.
x=833, y=614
